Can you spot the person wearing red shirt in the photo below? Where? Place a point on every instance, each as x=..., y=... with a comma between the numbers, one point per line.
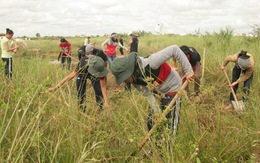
x=65, y=53
x=109, y=47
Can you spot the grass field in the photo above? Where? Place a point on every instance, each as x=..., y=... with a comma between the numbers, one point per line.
x=40, y=127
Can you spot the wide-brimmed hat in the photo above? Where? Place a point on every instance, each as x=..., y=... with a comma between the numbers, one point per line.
x=134, y=34
x=97, y=67
x=123, y=68
x=89, y=48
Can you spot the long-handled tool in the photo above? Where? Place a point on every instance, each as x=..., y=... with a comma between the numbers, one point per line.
x=238, y=105
x=164, y=113
x=60, y=55
x=203, y=64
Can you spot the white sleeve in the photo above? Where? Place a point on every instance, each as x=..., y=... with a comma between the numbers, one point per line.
x=157, y=59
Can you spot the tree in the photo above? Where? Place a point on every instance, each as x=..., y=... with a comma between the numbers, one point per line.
x=38, y=35
x=256, y=30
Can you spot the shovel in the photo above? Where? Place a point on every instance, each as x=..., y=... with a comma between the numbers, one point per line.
x=238, y=105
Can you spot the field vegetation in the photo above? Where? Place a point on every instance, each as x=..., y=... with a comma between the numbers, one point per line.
x=49, y=127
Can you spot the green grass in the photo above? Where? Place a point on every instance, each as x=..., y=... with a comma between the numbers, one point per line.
x=41, y=127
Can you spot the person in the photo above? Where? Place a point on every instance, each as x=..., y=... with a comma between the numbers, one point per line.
x=133, y=48
x=91, y=66
x=81, y=51
x=8, y=51
x=244, y=63
x=109, y=47
x=137, y=70
x=65, y=53
x=133, y=42
x=194, y=59
x=87, y=40
x=121, y=40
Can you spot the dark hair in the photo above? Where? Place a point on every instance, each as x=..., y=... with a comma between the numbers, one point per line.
x=113, y=33
x=185, y=49
x=243, y=55
x=9, y=31
x=63, y=39
x=95, y=51
x=114, y=39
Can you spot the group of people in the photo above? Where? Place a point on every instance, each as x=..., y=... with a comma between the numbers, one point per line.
x=134, y=69
x=108, y=46
x=92, y=58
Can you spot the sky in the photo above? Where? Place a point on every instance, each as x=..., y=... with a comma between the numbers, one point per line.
x=99, y=17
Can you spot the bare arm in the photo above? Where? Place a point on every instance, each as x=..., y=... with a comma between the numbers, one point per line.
x=120, y=45
x=104, y=45
x=130, y=42
x=67, y=78
x=103, y=85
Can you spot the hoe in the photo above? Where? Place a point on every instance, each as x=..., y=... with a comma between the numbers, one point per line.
x=164, y=113
x=238, y=105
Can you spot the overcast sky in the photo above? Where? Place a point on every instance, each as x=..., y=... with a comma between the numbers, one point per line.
x=92, y=17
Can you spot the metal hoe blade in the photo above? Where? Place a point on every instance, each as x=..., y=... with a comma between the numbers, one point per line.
x=238, y=105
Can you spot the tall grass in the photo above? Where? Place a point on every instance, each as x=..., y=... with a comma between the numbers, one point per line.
x=41, y=127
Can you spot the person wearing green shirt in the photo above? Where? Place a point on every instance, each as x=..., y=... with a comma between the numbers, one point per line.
x=7, y=51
